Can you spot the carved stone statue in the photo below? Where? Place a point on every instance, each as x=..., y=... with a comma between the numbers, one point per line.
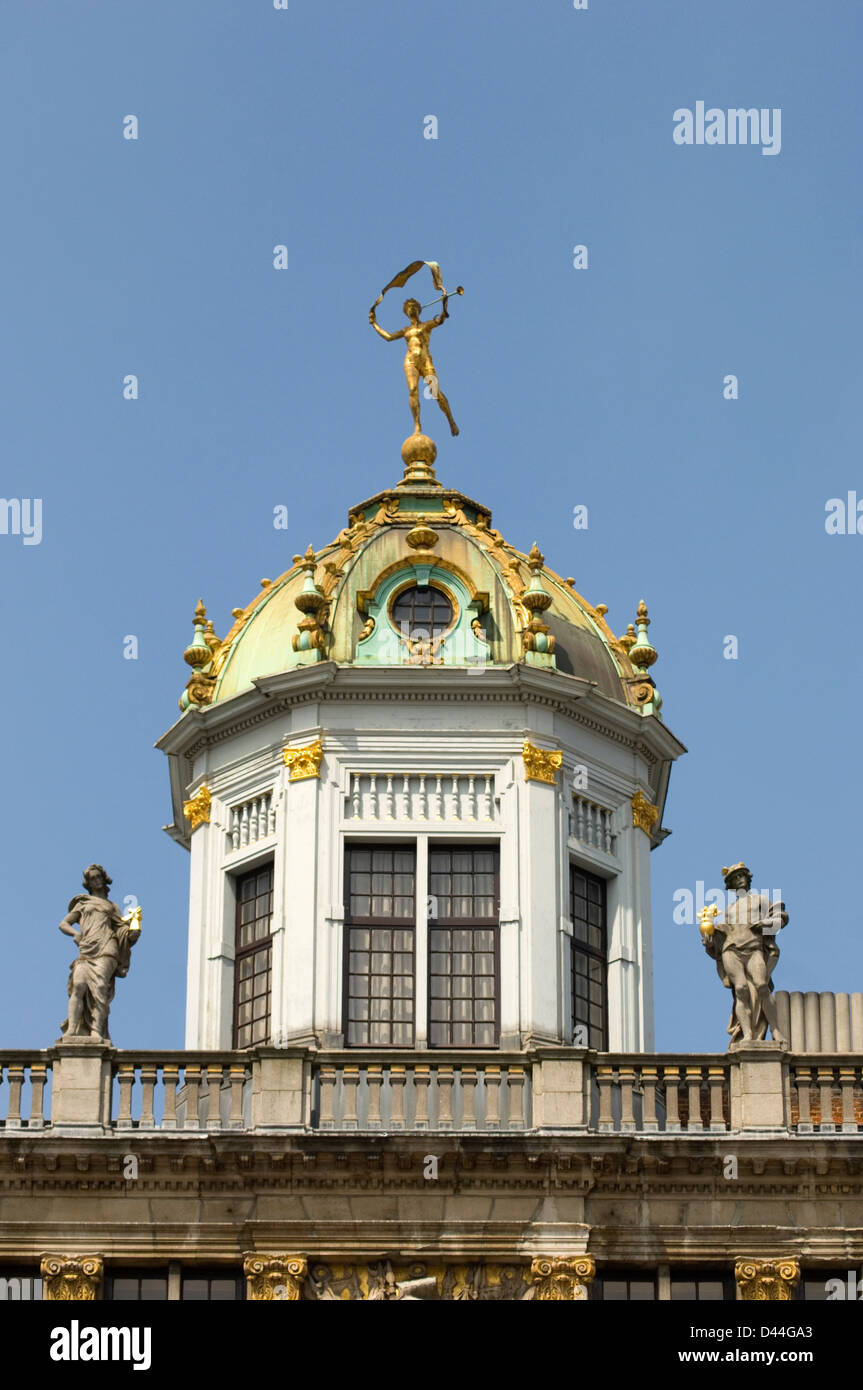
x=105, y=939
x=418, y=360
x=745, y=950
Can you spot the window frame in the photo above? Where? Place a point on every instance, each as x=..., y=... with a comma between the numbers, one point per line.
x=242, y=953
x=471, y=924
x=591, y=952
x=371, y=922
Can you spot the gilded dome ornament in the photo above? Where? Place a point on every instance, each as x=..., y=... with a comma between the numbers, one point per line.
x=534, y=599
x=315, y=606
x=200, y=654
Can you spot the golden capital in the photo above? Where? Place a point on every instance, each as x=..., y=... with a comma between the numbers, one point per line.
x=763, y=1281
x=565, y=1278
x=71, y=1277
x=644, y=813
x=275, y=1277
x=303, y=762
x=197, y=808
x=540, y=765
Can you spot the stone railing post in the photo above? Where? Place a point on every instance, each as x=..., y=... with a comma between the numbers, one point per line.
x=758, y=1084
x=280, y=1082
x=81, y=1089
x=561, y=1091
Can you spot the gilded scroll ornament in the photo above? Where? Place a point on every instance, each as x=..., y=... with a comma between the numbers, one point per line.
x=275, y=1277
x=565, y=1278
x=763, y=1281
x=303, y=762
x=197, y=808
x=644, y=813
x=540, y=765
x=71, y=1277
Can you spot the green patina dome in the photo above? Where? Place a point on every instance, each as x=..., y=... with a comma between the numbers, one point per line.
x=498, y=606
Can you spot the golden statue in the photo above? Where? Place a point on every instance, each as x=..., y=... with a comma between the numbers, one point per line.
x=418, y=359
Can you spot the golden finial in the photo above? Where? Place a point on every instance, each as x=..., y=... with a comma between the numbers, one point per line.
x=602, y=609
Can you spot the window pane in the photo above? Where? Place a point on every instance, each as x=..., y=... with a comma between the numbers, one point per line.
x=588, y=953
x=463, y=955
x=380, y=984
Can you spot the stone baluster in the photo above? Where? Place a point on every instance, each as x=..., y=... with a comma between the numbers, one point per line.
x=579, y=819
x=148, y=1078
x=126, y=1080
x=444, y=1087
x=455, y=809
x=350, y=1083
x=825, y=1083
x=406, y=796
x=693, y=1084
x=609, y=838
x=423, y=802
x=398, y=1078
x=214, y=1088
x=235, y=828
x=515, y=1087
x=491, y=1077
x=649, y=1079
x=422, y=1080
x=487, y=812
x=803, y=1077
x=38, y=1077
x=238, y=1080
x=192, y=1081
x=847, y=1078
x=390, y=799
x=253, y=822
x=271, y=813
x=716, y=1084
x=375, y=1079
x=468, y=1091
x=355, y=795
x=244, y=825
x=15, y=1077
x=672, y=1098
x=627, y=1085
x=471, y=798
x=170, y=1078
x=373, y=796
x=327, y=1080
x=605, y=1082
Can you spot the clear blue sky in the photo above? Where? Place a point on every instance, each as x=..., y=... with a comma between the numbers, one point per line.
x=601, y=387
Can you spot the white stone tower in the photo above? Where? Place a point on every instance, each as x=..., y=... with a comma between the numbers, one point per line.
x=420, y=780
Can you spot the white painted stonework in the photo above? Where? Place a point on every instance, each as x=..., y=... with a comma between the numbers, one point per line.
x=409, y=760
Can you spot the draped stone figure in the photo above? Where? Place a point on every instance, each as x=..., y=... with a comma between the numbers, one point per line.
x=105, y=939
x=744, y=948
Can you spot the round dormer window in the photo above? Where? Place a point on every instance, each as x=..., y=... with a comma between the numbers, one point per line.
x=422, y=614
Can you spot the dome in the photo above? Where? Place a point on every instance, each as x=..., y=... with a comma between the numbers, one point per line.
x=420, y=577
